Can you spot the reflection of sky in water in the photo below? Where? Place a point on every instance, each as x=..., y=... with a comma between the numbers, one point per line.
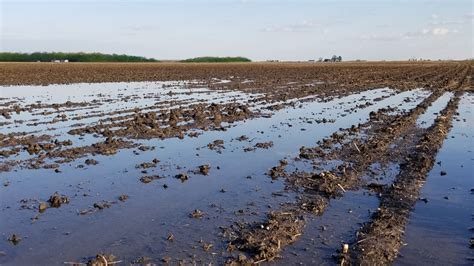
x=338, y=110
x=123, y=96
x=427, y=118
x=139, y=225
x=443, y=224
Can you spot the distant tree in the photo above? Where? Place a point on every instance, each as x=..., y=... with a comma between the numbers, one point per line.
x=334, y=58
x=71, y=57
x=339, y=58
x=212, y=59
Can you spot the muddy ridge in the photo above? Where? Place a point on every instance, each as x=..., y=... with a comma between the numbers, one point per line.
x=380, y=240
x=385, y=138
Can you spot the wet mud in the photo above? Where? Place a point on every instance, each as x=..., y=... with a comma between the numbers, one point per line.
x=238, y=164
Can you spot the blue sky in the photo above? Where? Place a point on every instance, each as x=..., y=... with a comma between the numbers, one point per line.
x=258, y=29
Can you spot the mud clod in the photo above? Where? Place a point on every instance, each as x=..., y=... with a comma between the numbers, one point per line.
x=143, y=261
x=183, y=177
x=216, y=145
x=204, y=169
x=102, y=205
x=148, y=165
x=242, y=138
x=102, y=260
x=42, y=207
x=279, y=170
x=56, y=200
x=123, y=198
x=264, y=145
x=207, y=247
x=265, y=240
x=196, y=214
x=149, y=178
x=91, y=162
x=166, y=259
x=14, y=239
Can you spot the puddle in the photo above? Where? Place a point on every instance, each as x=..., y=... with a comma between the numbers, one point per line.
x=427, y=118
x=237, y=185
x=324, y=235
x=104, y=98
x=441, y=225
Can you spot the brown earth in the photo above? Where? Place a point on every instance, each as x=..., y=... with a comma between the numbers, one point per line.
x=385, y=138
x=389, y=137
x=277, y=82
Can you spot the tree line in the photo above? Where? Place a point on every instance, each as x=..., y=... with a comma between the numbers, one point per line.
x=211, y=59
x=71, y=57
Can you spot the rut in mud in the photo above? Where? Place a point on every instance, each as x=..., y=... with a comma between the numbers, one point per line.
x=385, y=139
x=381, y=239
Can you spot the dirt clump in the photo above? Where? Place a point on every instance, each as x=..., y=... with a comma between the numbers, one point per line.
x=56, y=200
x=196, y=214
x=146, y=165
x=91, y=162
x=249, y=149
x=102, y=205
x=216, y=145
x=266, y=239
x=142, y=261
x=326, y=183
x=99, y=206
x=264, y=145
x=242, y=138
x=5, y=114
x=204, y=169
x=182, y=176
x=14, y=239
x=42, y=207
x=102, y=260
x=149, y=178
x=279, y=170
x=123, y=197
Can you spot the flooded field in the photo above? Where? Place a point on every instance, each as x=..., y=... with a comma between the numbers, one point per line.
x=273, y=164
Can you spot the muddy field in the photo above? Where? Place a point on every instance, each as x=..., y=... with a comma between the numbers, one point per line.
x=350, y=163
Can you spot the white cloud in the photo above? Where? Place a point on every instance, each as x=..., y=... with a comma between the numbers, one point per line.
x=430, y=32
x=440, y=31
x=302, y=26
x=438, y=20
x=424, y=33
x=379, y=37
x=446, y=22
x=138, y=27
